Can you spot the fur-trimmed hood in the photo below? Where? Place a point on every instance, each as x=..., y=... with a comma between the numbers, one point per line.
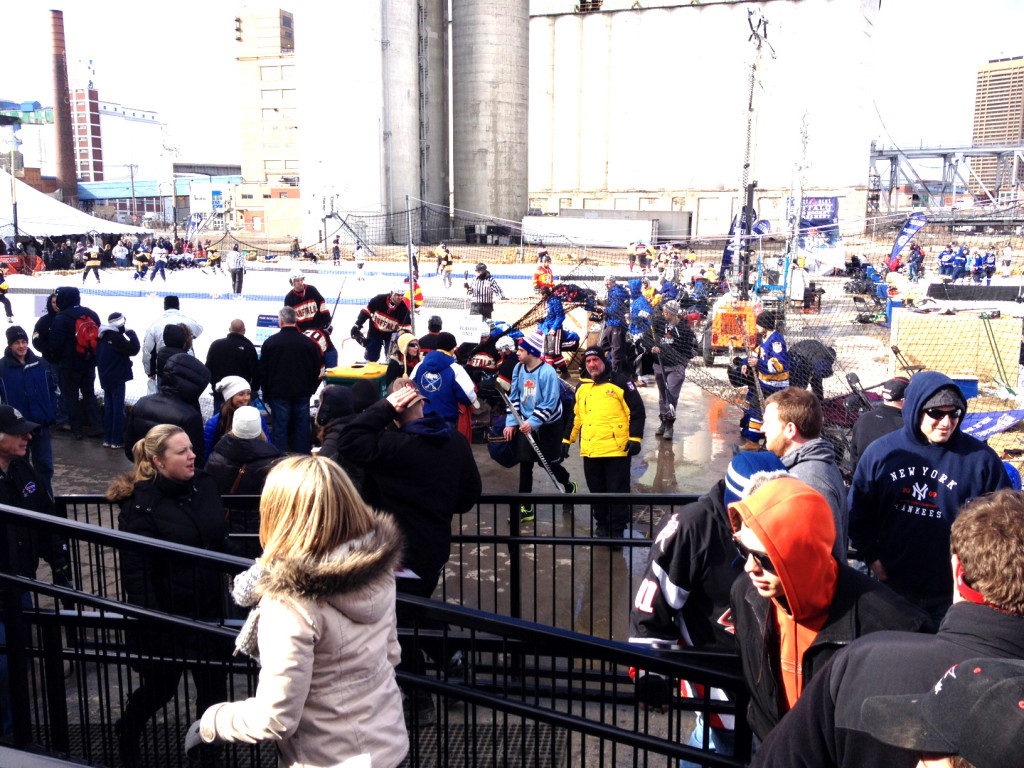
x=350, y=580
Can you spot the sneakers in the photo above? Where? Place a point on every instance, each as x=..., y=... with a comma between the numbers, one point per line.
x=526, y=513
x=570, y=487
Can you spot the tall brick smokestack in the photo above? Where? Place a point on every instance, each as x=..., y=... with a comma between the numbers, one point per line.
x=67, y=177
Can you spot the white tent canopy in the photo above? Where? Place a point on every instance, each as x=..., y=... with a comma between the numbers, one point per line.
x=40, y=215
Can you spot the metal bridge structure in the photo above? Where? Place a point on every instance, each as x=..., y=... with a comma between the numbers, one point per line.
x=957, y=173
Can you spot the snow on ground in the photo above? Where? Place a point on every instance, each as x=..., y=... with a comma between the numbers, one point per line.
x=207, y=298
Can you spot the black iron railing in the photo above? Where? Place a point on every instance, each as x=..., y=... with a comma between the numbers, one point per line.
x=553, y=570
x=520, y=693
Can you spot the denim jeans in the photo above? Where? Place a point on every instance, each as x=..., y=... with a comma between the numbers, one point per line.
x=723, y=742
x=73, y=382
x=113, y=415
x=289, y=424
x=158, y=266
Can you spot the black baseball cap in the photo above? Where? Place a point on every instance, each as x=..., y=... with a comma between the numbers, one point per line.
x=975, y=711
x=13, y=423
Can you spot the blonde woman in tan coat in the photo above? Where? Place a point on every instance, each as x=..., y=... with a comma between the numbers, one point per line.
x=323, y=626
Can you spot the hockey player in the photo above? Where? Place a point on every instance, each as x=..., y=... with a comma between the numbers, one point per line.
x=387, y=314
x=543, y=277
x=770, y=364
x=551, y=327
x=641, y=316
x=312, y=315
x=441, y=252
x=141, y=263
x=990, y=265
x=360, y=259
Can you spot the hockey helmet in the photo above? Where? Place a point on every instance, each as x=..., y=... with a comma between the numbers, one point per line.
x=505, y=344
x=481, y=267
x=296, y=274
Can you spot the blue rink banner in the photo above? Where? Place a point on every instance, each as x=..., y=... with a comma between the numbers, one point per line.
x=820, y=243
x=984, y=425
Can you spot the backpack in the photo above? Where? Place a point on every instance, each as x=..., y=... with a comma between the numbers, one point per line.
x=87, y=335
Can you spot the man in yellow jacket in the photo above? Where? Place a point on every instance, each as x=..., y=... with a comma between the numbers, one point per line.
x=609, y=424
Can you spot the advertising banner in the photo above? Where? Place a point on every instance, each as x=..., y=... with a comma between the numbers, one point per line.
x=820, y=244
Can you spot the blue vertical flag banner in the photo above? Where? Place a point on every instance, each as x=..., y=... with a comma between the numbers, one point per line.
x=193, y=224
x=910, y=228
x=729, y=254
x=820, y=244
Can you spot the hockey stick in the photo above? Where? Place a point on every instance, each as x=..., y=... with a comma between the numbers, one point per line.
x=529, y=438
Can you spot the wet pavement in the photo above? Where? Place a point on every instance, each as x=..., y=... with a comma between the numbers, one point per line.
x=706, y=428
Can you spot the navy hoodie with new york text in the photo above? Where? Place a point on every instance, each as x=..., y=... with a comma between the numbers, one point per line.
x=906, y=493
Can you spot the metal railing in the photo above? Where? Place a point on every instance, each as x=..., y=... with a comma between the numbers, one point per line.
x=522, y=693
x=553, y=570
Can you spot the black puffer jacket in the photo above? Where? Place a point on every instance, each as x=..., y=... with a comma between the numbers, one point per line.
x=231, y=453
x=422, y=473
x=41, y=332
x=177, y=403
x=173, y=512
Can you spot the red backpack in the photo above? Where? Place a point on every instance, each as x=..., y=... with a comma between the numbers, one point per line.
x=87, y=336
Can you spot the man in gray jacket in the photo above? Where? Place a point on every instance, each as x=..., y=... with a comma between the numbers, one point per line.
x=792, y=428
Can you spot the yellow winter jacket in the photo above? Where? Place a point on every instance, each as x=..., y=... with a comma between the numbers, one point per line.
x=609, y=413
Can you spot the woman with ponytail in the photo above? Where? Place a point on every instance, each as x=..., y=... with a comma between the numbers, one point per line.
x=163, y=497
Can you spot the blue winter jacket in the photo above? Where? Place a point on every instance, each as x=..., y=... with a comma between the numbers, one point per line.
x=436, y=380
x=62, y=332
x=554, y=318
x=617, y=313
x=640, y=311
x=114, y=353
x=31, y=388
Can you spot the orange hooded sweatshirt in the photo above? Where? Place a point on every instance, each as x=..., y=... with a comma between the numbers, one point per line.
x=795, y=526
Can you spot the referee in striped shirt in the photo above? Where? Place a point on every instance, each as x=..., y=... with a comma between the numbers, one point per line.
x=482, y=291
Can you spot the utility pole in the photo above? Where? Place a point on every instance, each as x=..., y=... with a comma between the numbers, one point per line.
x=15, y=123
x=758, y=36
x=135, y=210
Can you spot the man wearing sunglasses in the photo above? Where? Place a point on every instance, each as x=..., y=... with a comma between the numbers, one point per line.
x=799, y=606
x=908, y=489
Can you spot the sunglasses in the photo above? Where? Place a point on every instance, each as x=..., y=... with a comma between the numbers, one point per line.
x=761, y=558
x=938, y=414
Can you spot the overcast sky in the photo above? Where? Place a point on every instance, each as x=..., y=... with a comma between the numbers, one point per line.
x=180, y=62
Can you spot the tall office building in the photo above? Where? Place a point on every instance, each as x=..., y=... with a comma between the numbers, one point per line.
x=998, y=112
x=266, y=48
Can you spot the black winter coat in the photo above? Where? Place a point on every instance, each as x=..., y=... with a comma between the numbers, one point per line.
x=231, y=453
x=189, y=514
x=41, y=334
x=176, y=403
x=20, y=487
x=290, y=365
x=423, y=474
x=822, y=732
x=234, y=355
x=859, y=607
x=333, y=431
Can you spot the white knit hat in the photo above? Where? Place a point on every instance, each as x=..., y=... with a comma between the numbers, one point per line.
x=246, y=423
x=230, y=386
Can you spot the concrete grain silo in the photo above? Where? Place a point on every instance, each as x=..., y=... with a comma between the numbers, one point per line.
x=373, y=111
x=490, y=105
